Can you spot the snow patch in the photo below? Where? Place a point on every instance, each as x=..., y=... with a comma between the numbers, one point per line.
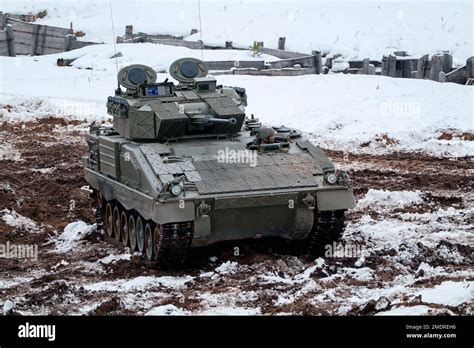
x=229, y=311
x=382, y=199
x=228, y=267
x=59, y=264
x=168, y=309
x=139, y=283
x=449, y=293
x=114, y=258
x=72, y=234
x=7, y=153
x=13, y=219
x=32, y=107
x=428, y=270
x=413, y=310
x=362, y=274
x=8, y=307
x=306, y=274
x=431, y=228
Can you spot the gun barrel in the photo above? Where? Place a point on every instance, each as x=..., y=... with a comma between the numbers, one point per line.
x=222, y=120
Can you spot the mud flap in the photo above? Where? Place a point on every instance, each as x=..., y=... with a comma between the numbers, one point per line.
x=304, y=220
x=202, y=227
x=179, y=211
x=335, y=200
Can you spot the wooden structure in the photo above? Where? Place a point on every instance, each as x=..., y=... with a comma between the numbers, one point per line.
x=18, y=37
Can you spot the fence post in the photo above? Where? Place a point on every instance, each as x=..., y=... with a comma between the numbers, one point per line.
x=34, y=39
x=392, y=66
x=436, y=66
x=469, y=67
x=447, y=62
x=365, y=66
x=68, y=42
x=10, y=41
x=128, y=32
x=281, y=43
x=318, y=62
x=421, y=67
x=384, y=71
x=3, y=20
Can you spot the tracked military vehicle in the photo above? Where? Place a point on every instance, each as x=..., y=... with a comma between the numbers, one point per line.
x=182, y=166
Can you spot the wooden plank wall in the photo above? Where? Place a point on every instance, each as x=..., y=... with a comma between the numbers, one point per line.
x=19, y=37
x=36, y=39
x=7, y=47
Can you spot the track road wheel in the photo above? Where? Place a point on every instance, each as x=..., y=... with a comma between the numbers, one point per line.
x=132, y=233
x=150, y=241
x=99, y=199
x=117, y=222
x=124, y=228
x=109, y=226
x=140, y=230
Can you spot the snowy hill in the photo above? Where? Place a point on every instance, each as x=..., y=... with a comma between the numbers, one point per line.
x=350, y=113
x=345, y=112
x=352, y=28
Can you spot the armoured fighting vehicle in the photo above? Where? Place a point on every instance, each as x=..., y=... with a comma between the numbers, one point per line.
x=183, y=166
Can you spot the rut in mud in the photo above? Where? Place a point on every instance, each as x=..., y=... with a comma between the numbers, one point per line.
x=412, y=228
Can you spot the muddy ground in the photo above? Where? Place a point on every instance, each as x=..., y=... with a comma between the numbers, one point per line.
x=414, y=250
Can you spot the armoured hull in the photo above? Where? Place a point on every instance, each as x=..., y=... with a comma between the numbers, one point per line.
x=230, y=193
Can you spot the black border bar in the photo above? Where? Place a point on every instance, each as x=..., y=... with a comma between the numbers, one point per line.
x=268, y=330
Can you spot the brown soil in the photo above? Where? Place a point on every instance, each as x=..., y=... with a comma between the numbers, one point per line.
x=47, y=186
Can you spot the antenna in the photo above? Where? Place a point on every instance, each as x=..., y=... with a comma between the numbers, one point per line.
x=113, y=33
x=118, y=90
x=200, y=30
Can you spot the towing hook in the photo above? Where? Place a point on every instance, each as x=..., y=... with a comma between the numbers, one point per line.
x=309, y=201
x=203, y=209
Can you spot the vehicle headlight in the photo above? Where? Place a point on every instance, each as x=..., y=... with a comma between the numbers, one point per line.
x=331, y=178
x=176, y=190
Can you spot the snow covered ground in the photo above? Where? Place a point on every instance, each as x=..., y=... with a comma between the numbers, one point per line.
x=344, y=112
x=353, y=28
x=407, y=249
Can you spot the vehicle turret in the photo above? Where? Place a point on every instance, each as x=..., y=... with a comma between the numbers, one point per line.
x=196, y=106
